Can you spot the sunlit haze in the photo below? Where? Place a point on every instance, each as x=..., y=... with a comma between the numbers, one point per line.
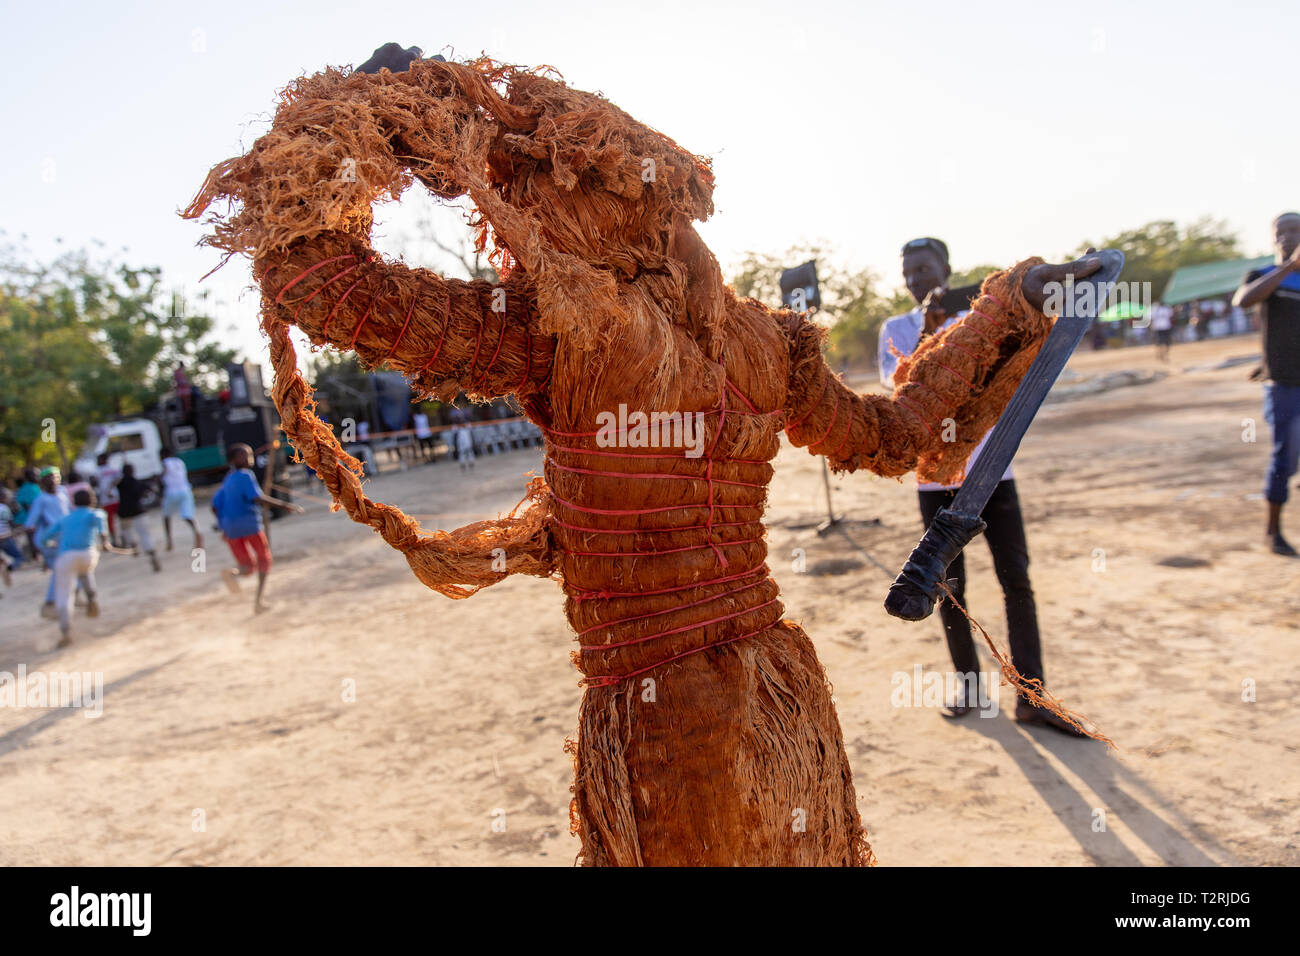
x=1021, y=132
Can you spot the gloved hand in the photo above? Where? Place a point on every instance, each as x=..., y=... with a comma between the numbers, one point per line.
x=392, y=57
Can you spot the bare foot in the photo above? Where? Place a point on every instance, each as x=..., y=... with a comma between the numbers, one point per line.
x=261, y=607
x=231, y=577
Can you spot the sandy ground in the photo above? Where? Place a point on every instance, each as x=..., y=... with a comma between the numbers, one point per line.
x=229, y=739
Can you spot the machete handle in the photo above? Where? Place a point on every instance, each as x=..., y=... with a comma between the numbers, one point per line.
x=912, y=596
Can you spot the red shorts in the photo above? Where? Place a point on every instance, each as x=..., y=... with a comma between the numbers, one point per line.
x=251, y=551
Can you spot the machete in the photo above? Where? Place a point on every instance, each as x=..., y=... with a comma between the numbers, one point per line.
x=912, y=596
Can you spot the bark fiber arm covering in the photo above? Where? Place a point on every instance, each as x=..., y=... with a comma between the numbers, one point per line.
x=454, y=563
x=954, y=386
x=446, y=335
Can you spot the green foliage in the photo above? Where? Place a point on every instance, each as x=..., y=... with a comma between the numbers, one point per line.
x=851, y=301
x=855, y=306
x=85, y=341
x=972, y=276
x=1152, y=252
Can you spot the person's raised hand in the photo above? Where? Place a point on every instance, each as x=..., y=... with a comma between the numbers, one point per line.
x=932, y=309
x=1040, y=280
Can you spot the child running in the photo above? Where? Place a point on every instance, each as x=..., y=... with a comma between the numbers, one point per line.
x=106, y=479
x=178, y=498
x=47, y=510
x=238, y=506
x=27, y=493
x=9, y=549
x=77, y=534
x=130, y=509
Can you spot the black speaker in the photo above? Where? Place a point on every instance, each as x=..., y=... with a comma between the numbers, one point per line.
x=209, y=422
x=250, y=425
x=799, y=289
x=258, y=428
x=172, y=410
x=246, y=384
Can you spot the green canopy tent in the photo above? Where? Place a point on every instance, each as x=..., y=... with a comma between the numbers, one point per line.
x=1124, y=309
x=1209, y=280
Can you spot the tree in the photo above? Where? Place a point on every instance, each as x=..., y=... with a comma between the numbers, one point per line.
x=850, y=298
x=462, y=248
x=972, y=276
x=1152, y=252
x=85, y=341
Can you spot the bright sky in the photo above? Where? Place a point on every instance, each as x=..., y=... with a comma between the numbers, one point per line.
x=1005, y=128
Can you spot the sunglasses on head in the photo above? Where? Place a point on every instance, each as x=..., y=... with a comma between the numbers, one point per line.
x=934, y=245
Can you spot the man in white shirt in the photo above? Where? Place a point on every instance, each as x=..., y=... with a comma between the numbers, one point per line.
x=926, y=273
x=1162, y=324
x=178, y=498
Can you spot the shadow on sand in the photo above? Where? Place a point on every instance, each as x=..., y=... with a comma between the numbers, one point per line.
x=19, y=737
x=1166, y=831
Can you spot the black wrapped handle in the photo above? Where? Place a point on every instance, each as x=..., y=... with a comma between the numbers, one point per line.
x=913, y=595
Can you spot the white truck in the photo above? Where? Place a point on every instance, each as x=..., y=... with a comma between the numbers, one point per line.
x=133, y=441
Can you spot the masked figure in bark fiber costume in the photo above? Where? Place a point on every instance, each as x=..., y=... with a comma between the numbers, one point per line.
x=608, y=298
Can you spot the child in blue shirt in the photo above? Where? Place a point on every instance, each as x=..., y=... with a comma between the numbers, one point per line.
x=238, y=506
x=78, y=533
x=46, y=510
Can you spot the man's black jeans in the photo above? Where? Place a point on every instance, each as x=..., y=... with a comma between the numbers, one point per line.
x=1005, y=535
